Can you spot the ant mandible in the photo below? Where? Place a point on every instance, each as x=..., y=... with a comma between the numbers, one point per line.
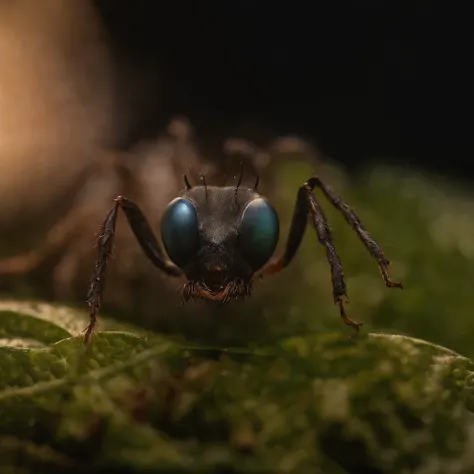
x=221, y=238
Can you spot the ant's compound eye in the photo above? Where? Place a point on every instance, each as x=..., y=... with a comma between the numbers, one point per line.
x=258, y=232
x=179, y=231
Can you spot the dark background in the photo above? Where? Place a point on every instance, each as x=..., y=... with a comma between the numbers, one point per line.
x=365, y=79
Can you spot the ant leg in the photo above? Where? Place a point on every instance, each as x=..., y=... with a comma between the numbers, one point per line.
x=325, y=238
x=105, y=245
x=354, y=221
x=295, y=236
x=145, y=237
x=306, y=204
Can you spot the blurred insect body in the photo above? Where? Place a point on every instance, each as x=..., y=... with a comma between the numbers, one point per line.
x=218, y=240
x=150, y=173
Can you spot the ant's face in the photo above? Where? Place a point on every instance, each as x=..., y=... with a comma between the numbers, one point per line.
x=219, y=237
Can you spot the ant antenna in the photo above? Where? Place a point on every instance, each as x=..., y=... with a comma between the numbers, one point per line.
x=255, y=186
x=186, y=182
x=239, y=182
x=205, y=184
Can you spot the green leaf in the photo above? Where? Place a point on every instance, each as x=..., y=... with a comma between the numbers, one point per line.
x=146, y=403
x=34, y=324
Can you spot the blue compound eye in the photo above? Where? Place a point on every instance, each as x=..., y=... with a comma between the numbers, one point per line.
x=179, y=231
x=258, y=232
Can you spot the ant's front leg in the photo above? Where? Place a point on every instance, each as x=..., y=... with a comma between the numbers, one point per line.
x=104, y=243
x=145, y=237
x=307, y=206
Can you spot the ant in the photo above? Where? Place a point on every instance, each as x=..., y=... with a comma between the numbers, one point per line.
x=219, y=239
x=150, y=173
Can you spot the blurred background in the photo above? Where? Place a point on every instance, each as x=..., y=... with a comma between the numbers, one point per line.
x=108, y=97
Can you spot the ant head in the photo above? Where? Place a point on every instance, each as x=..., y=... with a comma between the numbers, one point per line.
x=219, y=236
